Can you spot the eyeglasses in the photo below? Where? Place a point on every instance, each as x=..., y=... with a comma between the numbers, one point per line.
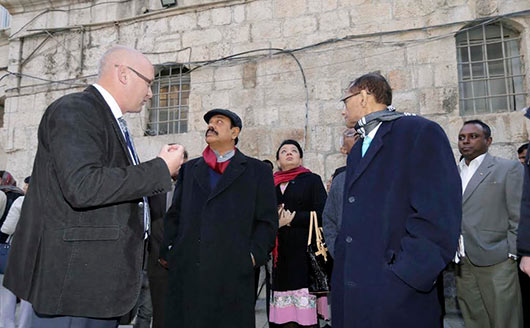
x=353, y=95
x=140, y=75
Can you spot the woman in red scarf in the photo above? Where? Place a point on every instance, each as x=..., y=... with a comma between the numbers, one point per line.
x=298, y=192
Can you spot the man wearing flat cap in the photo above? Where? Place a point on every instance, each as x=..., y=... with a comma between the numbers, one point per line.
x=222, y=224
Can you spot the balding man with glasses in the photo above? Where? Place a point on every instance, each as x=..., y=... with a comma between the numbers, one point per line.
x=79, y=248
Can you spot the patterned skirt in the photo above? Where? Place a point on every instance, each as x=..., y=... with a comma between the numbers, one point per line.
x=297, y=306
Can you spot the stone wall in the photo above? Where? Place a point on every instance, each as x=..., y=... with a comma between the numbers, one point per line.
x=409, y=41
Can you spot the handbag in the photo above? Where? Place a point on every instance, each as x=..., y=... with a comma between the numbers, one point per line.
x=4, y=252
x=320, y=262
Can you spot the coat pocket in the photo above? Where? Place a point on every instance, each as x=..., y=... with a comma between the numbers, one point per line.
x=91, y=233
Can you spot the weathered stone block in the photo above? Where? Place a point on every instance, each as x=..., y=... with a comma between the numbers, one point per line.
x=265, y=30
x=414, y=8
x=406, y=101
x=221, y=16
x=204, y=19
x=201, y=37
x=399, y=79
x=236, y=34
x=184, y=22
x=436, y=52
x=299, y=25
x=422, y=76
x=239, y=13
x=445, y=75
x=228, y=77
x=368, y=13
x=288, y=8
x=334, y=20
x=259, y=10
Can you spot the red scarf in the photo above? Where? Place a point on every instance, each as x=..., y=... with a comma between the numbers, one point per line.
x=211, y=160
x=286, y=176
x=279, y=178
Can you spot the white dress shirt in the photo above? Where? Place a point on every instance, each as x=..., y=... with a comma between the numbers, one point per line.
x=467, y=171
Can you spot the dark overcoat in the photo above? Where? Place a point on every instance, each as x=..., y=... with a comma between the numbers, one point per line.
x=303, y=194
x=212, y=233
x=400, y=226
x=79, y=244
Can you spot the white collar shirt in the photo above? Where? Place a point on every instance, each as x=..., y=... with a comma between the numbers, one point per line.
x=467, y=171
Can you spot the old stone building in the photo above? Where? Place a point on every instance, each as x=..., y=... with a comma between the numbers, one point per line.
x=281, y=64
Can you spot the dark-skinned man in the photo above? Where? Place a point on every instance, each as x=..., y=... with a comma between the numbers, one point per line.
x=487, y=282
x=222, y=224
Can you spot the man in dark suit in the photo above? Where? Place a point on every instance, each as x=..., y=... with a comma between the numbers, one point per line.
x=523, y=235
x=487, y=284
x=401, y=215
x=222, y=224
x=78, y=251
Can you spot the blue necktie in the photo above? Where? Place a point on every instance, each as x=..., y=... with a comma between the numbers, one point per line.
x=136, y=161
x=366, y=143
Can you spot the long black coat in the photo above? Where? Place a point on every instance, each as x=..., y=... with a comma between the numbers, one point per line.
x=303, y=194
x=212, y=233
x=79, y=244
x=400, y=227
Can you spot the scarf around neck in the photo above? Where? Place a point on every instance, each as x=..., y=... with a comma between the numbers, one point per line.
x=211, y=160
x=286, y=176
x=369, y=122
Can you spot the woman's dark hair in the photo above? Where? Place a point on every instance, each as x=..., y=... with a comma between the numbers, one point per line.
x=375, y=84
x=290, y=142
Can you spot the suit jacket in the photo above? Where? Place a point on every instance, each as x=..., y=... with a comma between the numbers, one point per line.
x=332, y=215
x=491, y=207
x=400, y=226
x=212, y=233
x=79, y=245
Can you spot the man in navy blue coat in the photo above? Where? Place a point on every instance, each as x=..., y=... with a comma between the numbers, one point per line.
x=401, y=216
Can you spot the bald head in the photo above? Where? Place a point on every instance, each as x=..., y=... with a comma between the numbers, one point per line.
x=126, y=74
x=119, y=55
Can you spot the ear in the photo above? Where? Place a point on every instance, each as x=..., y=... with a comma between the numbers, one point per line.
x=364, y=97
x=235, y=132
x=122, y=74
x=489, y=141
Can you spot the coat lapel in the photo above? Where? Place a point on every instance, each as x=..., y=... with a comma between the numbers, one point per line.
x=201, y=174
x=112, y=121
x=363, y=162
x=237, y=166
x=485, y=168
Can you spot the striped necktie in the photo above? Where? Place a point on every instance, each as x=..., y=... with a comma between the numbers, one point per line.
x=136, y=161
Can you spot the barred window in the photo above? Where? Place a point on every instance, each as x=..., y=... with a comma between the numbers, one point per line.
x=490, y=69
x=168, y=112
x=5, y=18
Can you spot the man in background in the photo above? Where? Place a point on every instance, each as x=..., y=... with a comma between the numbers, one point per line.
x=487, y=284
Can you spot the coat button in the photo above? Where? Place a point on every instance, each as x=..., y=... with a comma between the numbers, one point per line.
x=351, y=284
x=349, y=239
x=141, y=204
x=351, y=199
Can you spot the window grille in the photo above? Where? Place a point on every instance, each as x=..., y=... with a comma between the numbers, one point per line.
x=490, y=69
x=168, y=113
x=5, y=18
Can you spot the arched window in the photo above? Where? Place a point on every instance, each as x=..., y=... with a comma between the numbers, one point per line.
x=168, y=112
x=490, y=71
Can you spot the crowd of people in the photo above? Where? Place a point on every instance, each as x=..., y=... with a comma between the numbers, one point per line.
x=103, y=237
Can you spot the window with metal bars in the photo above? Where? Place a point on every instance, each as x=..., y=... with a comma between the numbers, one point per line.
x=168, y=112
x=490, y=69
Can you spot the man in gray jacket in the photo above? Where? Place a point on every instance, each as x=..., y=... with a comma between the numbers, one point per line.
x=332, y=215
x=487, y=284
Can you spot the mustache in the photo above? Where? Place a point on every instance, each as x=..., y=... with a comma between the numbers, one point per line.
x=210, y=130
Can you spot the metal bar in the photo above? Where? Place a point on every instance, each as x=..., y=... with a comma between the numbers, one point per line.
x=471, y=74
x=495, y=77
x=510, y=94
x=491, y=60
x=504, y=64
x=486, y=66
